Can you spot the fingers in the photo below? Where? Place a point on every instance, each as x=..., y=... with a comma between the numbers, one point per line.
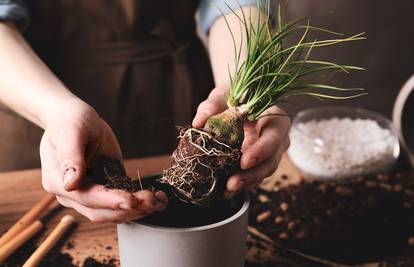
x=251, y=134
x=265, y=142
x=273, y=132
x=70, y=152
x=107, y=215
x=214, y=104
x=99, y=197
x=145, y=203
x=253, y=177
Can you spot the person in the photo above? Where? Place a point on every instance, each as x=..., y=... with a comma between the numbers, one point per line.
x=98, y=76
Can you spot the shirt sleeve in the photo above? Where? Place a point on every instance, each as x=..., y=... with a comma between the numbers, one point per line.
x=210, y=10
x=16, y=11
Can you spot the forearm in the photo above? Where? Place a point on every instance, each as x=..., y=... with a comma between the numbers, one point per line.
x=221, y=45
x=27, y=86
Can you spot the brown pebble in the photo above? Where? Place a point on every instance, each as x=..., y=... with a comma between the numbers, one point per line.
x=344, y=191
x=263, y=198
x=398, y=188
x=370, y=184
x=301, y=234
x=284, y=236
x=409, y=192
x=279, y=219
x=382, y=177
x=291, y=225
x=407, y=205
x=263, y=216
x=322, y=188
x=284, y=206
x=411, y=241
x=385, y=186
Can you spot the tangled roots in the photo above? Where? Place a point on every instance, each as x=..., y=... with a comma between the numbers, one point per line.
x=200, y=167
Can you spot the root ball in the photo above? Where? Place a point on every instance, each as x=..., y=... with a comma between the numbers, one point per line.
x=200, y=167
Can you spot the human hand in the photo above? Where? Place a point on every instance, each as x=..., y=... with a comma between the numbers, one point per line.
x=72, y=135
x=264, y=143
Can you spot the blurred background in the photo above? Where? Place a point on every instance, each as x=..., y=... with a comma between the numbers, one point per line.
x=387, y=54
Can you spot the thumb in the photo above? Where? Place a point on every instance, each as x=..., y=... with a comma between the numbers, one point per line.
x=213, y=105
x=70, y=149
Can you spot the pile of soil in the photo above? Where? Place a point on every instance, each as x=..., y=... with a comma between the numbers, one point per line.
x=357, y=220
x=110, y=172
x=91, y=262
x=180, y=214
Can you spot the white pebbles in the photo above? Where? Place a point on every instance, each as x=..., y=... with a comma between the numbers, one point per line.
x=340, y=147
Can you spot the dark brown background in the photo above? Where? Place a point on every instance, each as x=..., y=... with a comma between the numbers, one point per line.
x=387, y=54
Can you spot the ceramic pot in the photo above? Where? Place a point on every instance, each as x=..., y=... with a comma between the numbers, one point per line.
x=220, y=244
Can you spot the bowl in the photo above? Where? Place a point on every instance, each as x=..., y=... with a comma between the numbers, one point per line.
x=165, y=241
x=339, y=142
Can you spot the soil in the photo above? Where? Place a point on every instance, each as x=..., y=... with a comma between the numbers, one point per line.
x=111, y=173
x=358, y=220
x=200, y=167
x=91, y=262
x=180, y=214
x=54, y=258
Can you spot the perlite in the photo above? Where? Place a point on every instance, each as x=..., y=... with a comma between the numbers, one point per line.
x=340, y=147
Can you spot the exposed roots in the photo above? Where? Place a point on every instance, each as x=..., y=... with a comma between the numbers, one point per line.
x=200, y=167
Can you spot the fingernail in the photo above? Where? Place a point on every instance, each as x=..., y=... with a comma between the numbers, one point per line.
x=251, y=163
x=68, y=176
x=196, y=119
x=238, y=186
x=158, y=195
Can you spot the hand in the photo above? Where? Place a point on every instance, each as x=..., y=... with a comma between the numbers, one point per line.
x=264, y=143
x=72, y=135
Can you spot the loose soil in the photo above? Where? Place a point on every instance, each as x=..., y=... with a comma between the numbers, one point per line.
x=111, y=173
x=55, y=258
x=180, y=214
x=354, y=221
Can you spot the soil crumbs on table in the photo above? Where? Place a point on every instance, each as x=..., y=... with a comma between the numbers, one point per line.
x=55, y=258
x=362, y=219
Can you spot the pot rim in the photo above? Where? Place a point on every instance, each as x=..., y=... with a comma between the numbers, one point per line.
x=243, y=209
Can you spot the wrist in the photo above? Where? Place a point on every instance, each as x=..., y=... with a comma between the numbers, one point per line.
x=60, y=108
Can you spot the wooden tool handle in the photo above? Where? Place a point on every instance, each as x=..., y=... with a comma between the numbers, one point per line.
x=18, y=240
x=30, y=216
x=50, y=241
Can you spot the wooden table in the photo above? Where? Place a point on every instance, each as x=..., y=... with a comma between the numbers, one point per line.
x=19, y=190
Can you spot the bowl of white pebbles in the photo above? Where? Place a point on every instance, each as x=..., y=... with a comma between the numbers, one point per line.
x=340, y=142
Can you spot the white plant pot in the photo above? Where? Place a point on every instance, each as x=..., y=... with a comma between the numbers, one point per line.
x=221, y=244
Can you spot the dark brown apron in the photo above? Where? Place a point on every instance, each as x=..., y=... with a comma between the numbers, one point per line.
x=138, y=63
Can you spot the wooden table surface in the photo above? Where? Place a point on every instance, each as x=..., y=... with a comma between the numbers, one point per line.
x=19, y=190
